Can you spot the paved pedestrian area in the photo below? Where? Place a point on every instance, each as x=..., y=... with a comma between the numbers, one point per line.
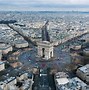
x=59, y=61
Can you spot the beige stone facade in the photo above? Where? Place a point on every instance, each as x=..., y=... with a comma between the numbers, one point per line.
x=21, y=45
x=5, y=51
x=45, y=49
x=0, y=54
x=5, y=48
x=11, y=83
x=2, y=66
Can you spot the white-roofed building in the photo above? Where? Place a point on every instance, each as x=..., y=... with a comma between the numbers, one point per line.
x=83, y=73
x=8, y=84
x=63, y=82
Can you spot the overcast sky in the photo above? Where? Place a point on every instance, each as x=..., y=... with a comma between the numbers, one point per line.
x=46, y=5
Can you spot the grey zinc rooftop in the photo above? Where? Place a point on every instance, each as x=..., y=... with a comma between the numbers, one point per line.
x=4, y=46
x=8, y=75
x=85, y=68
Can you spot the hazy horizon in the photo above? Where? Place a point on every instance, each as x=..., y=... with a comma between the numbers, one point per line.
x=44, y=5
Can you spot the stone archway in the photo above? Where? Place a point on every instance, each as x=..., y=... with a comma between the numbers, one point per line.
x=43, y=52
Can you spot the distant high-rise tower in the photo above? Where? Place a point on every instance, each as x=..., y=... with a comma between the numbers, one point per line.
x=45, y=47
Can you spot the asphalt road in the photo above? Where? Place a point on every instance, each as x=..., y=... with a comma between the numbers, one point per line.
x=61, y=56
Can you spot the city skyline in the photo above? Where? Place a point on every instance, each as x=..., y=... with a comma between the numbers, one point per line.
x=44, y=50
x=44, y=5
